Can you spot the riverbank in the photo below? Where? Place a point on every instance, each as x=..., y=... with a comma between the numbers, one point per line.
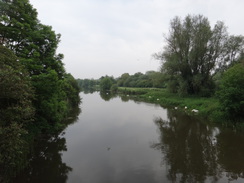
x=202, y=106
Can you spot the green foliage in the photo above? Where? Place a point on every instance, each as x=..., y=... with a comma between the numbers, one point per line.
x=194, y=52
x=206, y=106
x=106, y=83
x=114, y=88
x=47, y=96
x=35, y=45
x=16, y=93
x=231, y=93
x=121, y=81
x=150, y=79
x=13, y=149
x=71, y=88
x=147, y=80
x=16, y=112
x=18, y=22
x=55, y=97
x=32, y=78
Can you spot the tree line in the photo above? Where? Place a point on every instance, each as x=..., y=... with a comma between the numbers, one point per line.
x=105, y=83
x=36, y=92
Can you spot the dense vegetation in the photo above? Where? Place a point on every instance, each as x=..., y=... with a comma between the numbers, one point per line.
x=231, y=93
x=36, y=92
x=195, y=53
x=149, y=79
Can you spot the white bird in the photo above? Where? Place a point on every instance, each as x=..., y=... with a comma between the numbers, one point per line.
x=194, y=110
x=185, y=107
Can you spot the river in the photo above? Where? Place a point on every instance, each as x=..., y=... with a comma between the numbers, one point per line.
x=118, y=140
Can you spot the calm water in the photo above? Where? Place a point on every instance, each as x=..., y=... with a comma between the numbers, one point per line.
x=116, y=140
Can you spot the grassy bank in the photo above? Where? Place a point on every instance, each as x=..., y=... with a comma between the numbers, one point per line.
x=207, y=107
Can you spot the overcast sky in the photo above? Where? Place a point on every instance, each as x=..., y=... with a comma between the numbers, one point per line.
x=112, y=37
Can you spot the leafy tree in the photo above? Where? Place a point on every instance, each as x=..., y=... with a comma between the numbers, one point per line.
x=16, y=93
x=194, y=51
x=122, y=79
x=106, y=83
x=35, y=45
x=71, y=89
x=157, y=79
x=231, y=93
x=18, y=23
x=114, y=88
x=149, y=79
x=49, y=97
x=16, y=111
x=31, y=73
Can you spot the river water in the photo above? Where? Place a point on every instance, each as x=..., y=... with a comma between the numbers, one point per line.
x=117, y=140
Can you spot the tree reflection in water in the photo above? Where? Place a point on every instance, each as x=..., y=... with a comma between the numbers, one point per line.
x=196, y=152
x=107, y=96
x=45, y=163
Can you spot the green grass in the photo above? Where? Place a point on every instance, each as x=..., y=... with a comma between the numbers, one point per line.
x=207, y=107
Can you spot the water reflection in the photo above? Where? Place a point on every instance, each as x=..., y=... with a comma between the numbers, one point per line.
x=118, y=142
x=196, y=152
x=87, y=91
x=231, y=153
x=45, y=163
x=125, y=128
x=47, y=155
x=107, y=96
x=124, y=98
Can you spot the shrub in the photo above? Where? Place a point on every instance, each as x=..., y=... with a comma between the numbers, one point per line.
x=231, y=93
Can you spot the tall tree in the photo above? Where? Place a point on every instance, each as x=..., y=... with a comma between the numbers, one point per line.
x=16, y=92
x=16, y=111
x=35, y=45
x=194, y=51
x=31, y=73
x=18, y=22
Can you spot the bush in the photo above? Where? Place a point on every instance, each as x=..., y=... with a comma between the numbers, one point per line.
x=114, y=88
x=231, y=93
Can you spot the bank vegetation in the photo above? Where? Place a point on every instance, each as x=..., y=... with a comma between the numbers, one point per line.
x=36, y=94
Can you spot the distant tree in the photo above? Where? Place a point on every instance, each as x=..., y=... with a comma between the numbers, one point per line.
x=231, y=93
x=85, y=84
x=114, y=88
x=157, y=79
x=106, y=83
x=122, y=79
x=194, y=51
